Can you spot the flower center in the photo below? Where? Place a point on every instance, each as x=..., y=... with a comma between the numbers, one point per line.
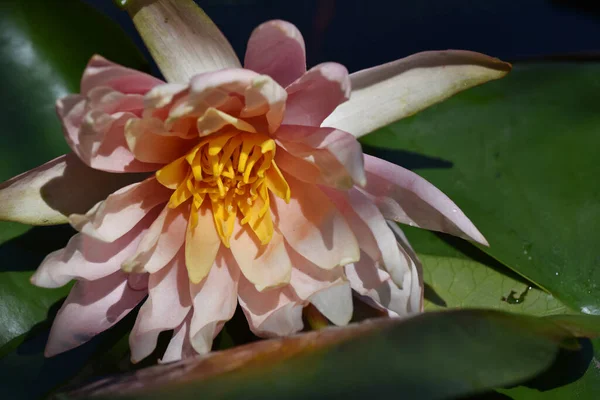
x=235, y=170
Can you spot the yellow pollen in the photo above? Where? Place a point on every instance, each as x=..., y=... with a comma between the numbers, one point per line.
x=235, y=170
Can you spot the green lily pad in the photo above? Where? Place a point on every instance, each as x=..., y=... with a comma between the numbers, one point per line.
x=432, y=356
x=519, y=157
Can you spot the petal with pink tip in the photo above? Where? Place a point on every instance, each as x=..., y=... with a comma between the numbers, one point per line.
x=374, y=235
x=91, y=308
x=180, y=347
x=161, y=243
x=37, y=197
x=167, y=306
x=215, y=300
x=182, y=39
x=121, y=211
x=101, y=72
x=266, y=266
x=88, y=258
x=316, y=94
x=337, y=154
x=313, y=226
x=276, y=48
x=271, y=313
x=392, y=91
x=404, y=196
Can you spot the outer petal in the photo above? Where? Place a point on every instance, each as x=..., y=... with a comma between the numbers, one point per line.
x=88, y=258
x=215, y=300
x=103, y=73
x=37, y=197
x=392, y=91
x=308, y=278
x=404, y=196
x=161, y=242
x=167, y=306
x=182, y=38
x=265, y=266
x=276, y=312
x=121, y=211
x=276, y=48
x=316, y=94
x=374, y=235
x=313, y=226
x=91, y=308
x=335, y=303
x=336, y=154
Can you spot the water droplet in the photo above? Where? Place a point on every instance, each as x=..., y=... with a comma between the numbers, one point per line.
x=557, y=274
x=529, y=258
x=454, y=210
x=591, y=310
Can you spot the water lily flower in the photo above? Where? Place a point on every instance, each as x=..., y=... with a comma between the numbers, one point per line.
x=234, y=186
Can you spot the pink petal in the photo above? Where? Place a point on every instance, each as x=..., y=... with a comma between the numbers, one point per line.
x=37, y=197
x=308, y=279
x=275, y=312
x=266, y=266
x=313, y=226
x=97, y=136
x=88, y=258
x=150, y=142
x=374, y=235
x=369, y=280
x=91, y=308
x=392, y=91
x=336, y=154
x=202, y=244
x=262, y=96
x=215, y=300
x=180, y=347
x=404, y=196
x=161, y=242
x=101, y=72
x=121, y=211
x=316, y=94
x=276, y=48
x=167, y=306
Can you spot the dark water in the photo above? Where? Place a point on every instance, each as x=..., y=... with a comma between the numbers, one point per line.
x=363, y=33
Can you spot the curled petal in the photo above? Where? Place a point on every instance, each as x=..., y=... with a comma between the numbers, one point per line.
x=392, y=91
x=121, y=211
x=182, y=38
x=88, y=258
x=316, y=94
x=276, y=312
x=313, y=226
x=266, y=266
x=276, y=48
x=91, y=308
x=215, y=300
x=404, y=196
x=101, y=72
x=336, y=154
x=167, y=306
x=36, y=197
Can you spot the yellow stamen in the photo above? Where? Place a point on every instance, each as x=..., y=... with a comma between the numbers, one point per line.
x=236, y=171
